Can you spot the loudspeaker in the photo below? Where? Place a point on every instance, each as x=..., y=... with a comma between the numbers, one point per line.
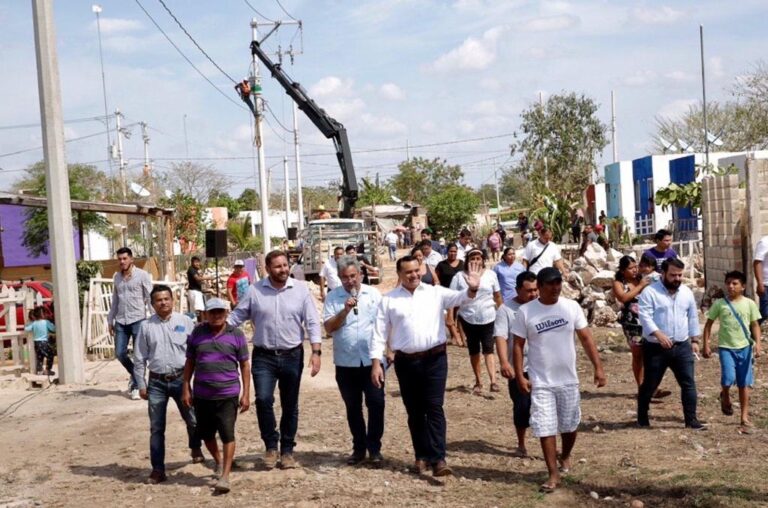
x=215, y=243
x=293, y=233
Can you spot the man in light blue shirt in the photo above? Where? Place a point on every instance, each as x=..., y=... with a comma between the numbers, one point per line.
x=671, y=331
x=349, y=315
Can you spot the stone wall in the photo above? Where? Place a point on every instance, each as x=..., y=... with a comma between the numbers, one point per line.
x=724, y=229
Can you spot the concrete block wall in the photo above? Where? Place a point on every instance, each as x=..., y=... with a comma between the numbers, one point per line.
x=724, y=224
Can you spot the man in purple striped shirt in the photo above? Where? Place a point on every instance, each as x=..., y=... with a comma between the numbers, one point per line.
x=215, y=352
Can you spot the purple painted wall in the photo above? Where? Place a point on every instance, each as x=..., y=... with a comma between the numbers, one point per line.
x=12, y=219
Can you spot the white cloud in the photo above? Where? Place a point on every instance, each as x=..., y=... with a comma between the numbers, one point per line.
x=429, y=127
x=392, y=92
x=472, y=54
x=118, y=25
x=715, y=67
x=384, y=125
x=484, y=108
x=660, y=15
x=679, y=76
x=346, y=110
x=551, y=23
x=639, y=78
x=331, y=86
x=491, y=84
x=676, y=108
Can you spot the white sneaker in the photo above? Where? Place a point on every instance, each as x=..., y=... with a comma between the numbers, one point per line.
x=135, y=394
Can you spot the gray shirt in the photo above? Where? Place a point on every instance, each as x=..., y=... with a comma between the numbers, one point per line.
x=161, y=345
x=502, y=327
x=278, y=315
x=130, y=297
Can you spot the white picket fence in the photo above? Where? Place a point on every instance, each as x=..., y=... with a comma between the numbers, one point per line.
x=22, y=346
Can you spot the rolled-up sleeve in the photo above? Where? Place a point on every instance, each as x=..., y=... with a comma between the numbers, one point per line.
x=646, y=307
x=312, y=320
x=380, y=332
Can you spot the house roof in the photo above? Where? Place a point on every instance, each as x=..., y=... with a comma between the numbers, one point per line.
x=8, y=198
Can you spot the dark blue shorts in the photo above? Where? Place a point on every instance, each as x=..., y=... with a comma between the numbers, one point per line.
x=736, y=367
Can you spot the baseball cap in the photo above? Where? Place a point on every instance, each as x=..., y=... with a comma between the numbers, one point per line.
x=427, y=230
x=239, y=262
x=548, y=274
x=216, y=303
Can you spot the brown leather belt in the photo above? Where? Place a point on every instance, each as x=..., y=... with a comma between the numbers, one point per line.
x=437, y=350
x=166, y=377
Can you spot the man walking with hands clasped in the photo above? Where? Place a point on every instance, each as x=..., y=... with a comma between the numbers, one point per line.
x=547, y=326
x=410, y=321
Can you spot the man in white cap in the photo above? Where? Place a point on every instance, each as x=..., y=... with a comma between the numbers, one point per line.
x=238, y=282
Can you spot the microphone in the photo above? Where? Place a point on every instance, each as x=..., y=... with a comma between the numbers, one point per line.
x=354, y=295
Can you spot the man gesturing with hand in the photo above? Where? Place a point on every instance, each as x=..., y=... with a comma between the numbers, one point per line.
x=410, y=320
x=547, y=326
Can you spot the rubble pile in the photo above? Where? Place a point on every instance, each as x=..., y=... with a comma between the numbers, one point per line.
x=590, y=282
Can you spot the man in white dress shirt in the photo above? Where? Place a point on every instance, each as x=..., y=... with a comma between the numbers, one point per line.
x=410, y=321
x=329, y=274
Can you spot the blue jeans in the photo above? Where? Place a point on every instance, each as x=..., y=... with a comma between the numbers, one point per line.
x=656, y=360
x=283, y=370
x=123, y=334
x=354, y=383
x=764, y=306
x=392, y=249
x=422, y=386
x=159, y=392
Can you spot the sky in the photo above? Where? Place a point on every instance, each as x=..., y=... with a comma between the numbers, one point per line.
x=452, y=74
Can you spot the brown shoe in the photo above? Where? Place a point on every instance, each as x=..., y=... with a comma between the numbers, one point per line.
x=440, y=468
x=156, y=477
x=270, y=459
x=288, y=462
x=197, y=456
x=420, y=466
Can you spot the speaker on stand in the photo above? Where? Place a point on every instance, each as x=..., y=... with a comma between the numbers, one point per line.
x=216, y=247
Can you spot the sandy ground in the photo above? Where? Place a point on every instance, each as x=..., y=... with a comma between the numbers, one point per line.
x=89, y=445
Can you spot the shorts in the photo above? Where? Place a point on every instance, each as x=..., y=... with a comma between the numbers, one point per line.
x=217, y=415
x=555, y=409
x=195, y=300
x=521, y=405
x=736, y=367
x=478, y=336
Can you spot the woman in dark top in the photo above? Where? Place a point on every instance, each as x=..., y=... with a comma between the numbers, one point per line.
x=426, y=272
x=450, y=266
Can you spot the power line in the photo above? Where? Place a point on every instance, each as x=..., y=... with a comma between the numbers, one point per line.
x=286, y=129
x=194, y=41
x=230, y=99
x=286, y=12
x=74, y=120
x=66, y=141
x=257, y=12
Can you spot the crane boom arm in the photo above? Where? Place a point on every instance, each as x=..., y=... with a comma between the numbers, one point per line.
x=330, y=127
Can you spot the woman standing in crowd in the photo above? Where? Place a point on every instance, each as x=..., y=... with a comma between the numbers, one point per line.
x=507, y=271
x=627, y=287
x=477, y=318
x=446, y=270
x=426, y=272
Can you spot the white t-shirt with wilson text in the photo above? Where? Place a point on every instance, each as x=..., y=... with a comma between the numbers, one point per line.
x=549, y=333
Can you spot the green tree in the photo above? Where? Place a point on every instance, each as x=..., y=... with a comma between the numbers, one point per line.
x=199, y=181
x=419, y=178
x=188, y=218
x=560, y=143
x=249, y=200
x=451, y=208
x=240, y=237
x=220, y=198
x=374, y=193
x=515, y=190
x=86, y=183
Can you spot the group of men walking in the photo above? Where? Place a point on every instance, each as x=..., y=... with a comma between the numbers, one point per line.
x=207, y=369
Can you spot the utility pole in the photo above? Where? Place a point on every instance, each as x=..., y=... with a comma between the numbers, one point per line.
x=186, y=139
x=96, y=8
x=613, y=128
x=704, y=97
x=259, y=103
x=299, y=196
x=121, y=160
x=287, y=195
x=62, y=245
x=145, y=138
x=546, y=165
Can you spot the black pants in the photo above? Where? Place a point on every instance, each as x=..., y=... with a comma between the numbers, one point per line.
x=354, y=383
x=656, y=360
x=422, y=386
x=43, y=352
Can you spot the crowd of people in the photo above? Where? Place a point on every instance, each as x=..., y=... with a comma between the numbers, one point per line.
x=511, y=312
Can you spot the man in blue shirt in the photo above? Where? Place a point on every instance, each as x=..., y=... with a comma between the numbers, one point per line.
x=349, y=315
x=670, y=323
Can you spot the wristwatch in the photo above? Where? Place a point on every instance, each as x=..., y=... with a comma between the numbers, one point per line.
x=317, y=352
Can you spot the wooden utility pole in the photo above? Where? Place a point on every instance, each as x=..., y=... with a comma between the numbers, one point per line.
x=62, y=245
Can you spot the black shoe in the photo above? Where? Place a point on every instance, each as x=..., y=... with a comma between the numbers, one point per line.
x=156, y=477
x=376, y=459
x=355, y=459
x=643, y=423
x=695, y=425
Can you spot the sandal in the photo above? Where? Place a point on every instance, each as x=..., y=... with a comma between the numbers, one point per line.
x=477, y=390
x=727, y=409
x=746, y=427
x=495, y=387
x=547, y=488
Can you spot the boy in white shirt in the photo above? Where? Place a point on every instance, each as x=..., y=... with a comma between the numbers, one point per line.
x=547, y=325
